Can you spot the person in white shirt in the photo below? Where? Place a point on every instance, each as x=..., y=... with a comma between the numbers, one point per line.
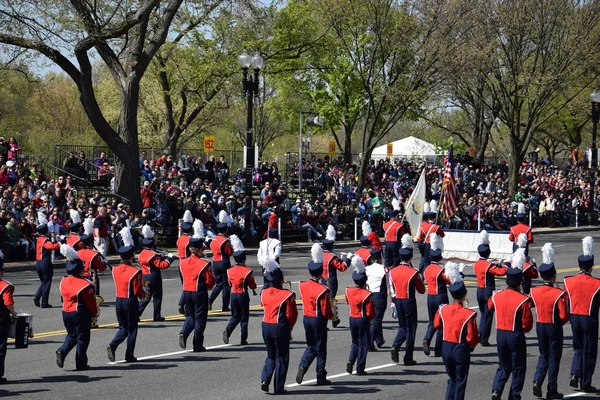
x=550, y=209
x=269, y=247
x=377, y=284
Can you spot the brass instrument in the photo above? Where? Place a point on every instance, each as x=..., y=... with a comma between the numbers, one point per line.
x=99, y=299
x=146, y=287
x=289, y=283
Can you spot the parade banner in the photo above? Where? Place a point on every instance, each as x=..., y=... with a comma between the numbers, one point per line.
x=462, y=245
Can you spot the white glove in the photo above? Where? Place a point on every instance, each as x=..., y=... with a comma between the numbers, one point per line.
x=461, y=267
x=342, y=256
x=170, y=255
x=62, y=237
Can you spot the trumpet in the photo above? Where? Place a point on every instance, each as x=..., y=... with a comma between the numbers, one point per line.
x=146, y=287
x=165, y=253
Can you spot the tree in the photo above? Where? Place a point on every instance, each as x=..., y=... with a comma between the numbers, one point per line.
x=126, y=36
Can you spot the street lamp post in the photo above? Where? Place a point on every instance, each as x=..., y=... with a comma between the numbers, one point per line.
x=310, y=121
x=595, y=99
x=250, y=86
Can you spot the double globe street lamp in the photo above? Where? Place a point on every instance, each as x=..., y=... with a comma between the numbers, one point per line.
x=595, y=99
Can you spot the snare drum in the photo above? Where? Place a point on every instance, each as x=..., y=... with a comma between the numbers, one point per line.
x=21, y=329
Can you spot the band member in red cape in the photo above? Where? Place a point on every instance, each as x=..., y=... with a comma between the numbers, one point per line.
x=459, y=326
x=584, y=299
x=183, y=250
x=393, y=230
x=197, y=280
x=362, y=312
x=7, y=309
x=43, y=264
x=79, y=306
x=550, y=303
x=364, y=251
x=280, y=317
x=519, y=228
x=424, y=236
x=331, y=265
x=222, y=250
x=371, y=235
x=513, y=320
x=530, y=270
x=75, y=226
x=240, y=278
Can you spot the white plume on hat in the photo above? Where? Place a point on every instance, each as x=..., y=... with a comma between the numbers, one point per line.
x=68, y=252
x=187, y=217
x=126, y=237
x=520, y=208
x=223, y=217
x=588, y=246
x=198, y=229
x=522, y=240
x=330, y=233
x=75, y=217
x=366, y=228
x=358, y=264
x=88, y=226
x=236, y=243
x=147, y=232
x=396, y=204
x=42, y=218
x=426, y=208
x=434, y=206
x=452, y=272
x=436, y=242
x=484, y=237
x=518, y=259
x=316, y=253
x=407, y=242
x=269, y=264
x=548, y=254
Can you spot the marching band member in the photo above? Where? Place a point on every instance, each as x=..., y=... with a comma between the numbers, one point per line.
x=128, y=288
x=7, y=309
x=583, y=291
x=73, y=239
x=372, y=236
x=486, y=273
x=269, y=247
x=280, y=317
x=364, y=251
x=437, y=293
x=240, y=278
x=460, y=336
x=551, y=310
x=362, y=312
x=377, y=284
x=43, y=263
x=519, y=228
x=405, y=280
x=79, y=306
x=183, y=242
x=394, y=230
x=317, y=307
x=513, y=320
x=152, y=263
x=222, y=250
x=101, y=231
x=424, y=236
x=198, y=279
x=530, y=270
x=331, y=265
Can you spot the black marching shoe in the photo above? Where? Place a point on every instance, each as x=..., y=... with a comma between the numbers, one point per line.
x=264, y=387
x=537, y=389
x=324, y=382
x=380, y=345
x=300, y=375
x=244, y=343
x=554, y=395
x=409, y=363
x=60, y=360
x=574, y=382
x=361, y=373
x=426, y=349
x=84, y=368
x=282, y=392
x=372, y=349
x=110, y=352
x=36, y=301
x=131, y=360
x=395, y=356
x=46, y=306
x=496, y=395
x=589, y=389
x=182, y=341
x=485, y=344
x=181, y=310
x=349, y=367
x=159, y=319
x=336, y=323
x=225, y=337
x=3, y=380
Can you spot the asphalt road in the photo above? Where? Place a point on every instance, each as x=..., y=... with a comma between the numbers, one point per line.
x=164, y=371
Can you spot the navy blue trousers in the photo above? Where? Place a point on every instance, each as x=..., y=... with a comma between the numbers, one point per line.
x=240, y=314
x=391, y=255
x=156, y=293
x=220, y=272
x=4, y=325
x=78, y=326
x=128, y=318
x=45, y=271
x=512, y=359
x=196, y=315
x=376, y=335
x=585, y=344
x=526, y=284
x=433, y=304
x=425, y=259
x=487, y=317
x=515, y=247
x=359, y=330
x=407, y=325
x=550, y=343
x=457, y=359
x=315, y=330
x=277, y=340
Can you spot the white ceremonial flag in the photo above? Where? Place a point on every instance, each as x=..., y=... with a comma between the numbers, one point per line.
x=414, y=207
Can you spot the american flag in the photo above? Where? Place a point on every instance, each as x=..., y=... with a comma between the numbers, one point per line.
x=449, y=188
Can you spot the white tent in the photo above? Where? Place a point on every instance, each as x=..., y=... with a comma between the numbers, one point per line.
x=409, y=148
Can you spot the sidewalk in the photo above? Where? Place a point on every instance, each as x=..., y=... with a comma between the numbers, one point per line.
x=20, y=266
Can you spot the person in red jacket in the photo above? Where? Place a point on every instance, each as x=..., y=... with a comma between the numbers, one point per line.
x=198, y=279
x=152, y=263
x=222, y=250
x=405, y=280
x=371, y=235
x=7, y=309
x=317, y=307
x=331, y=265
x=513, y=320
x=551, y=305
x=521, y=228
x=183, y=250
x=530, y=270
x=393, y=231
x=128, y=288
x=362, y=312
x=93, y=262
x=424, y=237
x=364, y=251
x=43, y=262
x=280, y=317
x=459, y=327
x=584, y=299
x=75, y=226
x=240, y=278
x=79, y=306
